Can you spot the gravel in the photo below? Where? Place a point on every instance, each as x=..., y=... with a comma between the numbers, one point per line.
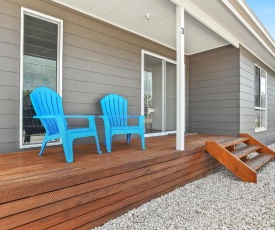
x=219, y=201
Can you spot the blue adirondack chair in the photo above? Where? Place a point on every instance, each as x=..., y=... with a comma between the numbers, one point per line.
x=115, y=117
x=48, y=107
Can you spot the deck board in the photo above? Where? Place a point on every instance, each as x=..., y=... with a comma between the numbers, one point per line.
x=50, y=193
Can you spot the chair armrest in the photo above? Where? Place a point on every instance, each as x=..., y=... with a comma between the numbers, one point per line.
x=60, y=118
x=91, y=119
x=125, y=117
x=80, y=116
x=140, y=119
x=47, y=116
x=108, y=125
x=134, y=116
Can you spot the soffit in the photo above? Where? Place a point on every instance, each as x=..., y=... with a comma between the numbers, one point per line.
x=161, y=26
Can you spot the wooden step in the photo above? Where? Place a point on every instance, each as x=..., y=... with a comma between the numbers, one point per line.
x=233, y=141
x=244, y=151
x=235, y=160
x=258, y=161
x=231, y=162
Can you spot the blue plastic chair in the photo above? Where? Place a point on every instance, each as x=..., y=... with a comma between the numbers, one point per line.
x=114, y=108
x=48, y=107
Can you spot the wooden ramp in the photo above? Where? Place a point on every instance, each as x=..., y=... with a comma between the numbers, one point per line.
x=236, y=159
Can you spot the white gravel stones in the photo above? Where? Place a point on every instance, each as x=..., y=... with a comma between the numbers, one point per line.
x=219, y=201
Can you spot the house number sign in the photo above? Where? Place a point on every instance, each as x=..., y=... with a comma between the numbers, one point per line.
x=182, y=30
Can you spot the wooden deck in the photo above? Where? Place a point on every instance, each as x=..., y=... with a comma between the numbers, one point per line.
x=46, y=192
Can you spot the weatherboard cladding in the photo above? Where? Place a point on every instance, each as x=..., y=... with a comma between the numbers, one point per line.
x=247, y=66
x=214, y=91
x=98, y=59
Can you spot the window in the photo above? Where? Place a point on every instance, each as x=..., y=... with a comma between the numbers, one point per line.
x=260, y=99
x=41, y=46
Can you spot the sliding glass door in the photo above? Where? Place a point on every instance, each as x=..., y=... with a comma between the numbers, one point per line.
x=159, y=94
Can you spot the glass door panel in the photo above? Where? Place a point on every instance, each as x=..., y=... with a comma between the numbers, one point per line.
x=153, y=94
x=171, y=96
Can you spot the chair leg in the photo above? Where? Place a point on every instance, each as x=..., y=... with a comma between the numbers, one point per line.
x=128, y=138
x=68, y=149
x=142, y=141
x=109, y=143
x=45, y=141
x=97, y=144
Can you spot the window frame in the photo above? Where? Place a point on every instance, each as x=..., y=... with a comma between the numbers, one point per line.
x=263, y=128
x=59, y=23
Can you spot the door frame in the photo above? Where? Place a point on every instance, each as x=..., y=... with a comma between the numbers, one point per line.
x=163, y=59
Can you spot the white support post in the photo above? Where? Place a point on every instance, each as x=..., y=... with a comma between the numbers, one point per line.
x=180, y=79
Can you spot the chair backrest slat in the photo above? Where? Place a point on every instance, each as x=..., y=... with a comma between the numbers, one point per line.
x=47, y=102
x=115, y=107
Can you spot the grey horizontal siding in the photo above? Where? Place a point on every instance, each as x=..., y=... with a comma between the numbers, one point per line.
x=10, y=107
x=90, y=66
x=212, y=111
x=9, y=135
x=214, y=91
x=99, y=89
x=99, y=77
x=9, y=64
x=215, y=97
x=91, y=34
x=232, y=126
x=214, y=131
x=10, y=147
x=98, y=59
x=99, y=47
x=9, y=22
x=8, y=93
x=8, y=8
x=212, y=54
x=7, y=122
x=214, y=83
x=106, y=59
x=9, y=76
x=211, y=119
x=247, y=106
x=9, y=50
x=9, y=36
x=215, y=67
x=215, y=75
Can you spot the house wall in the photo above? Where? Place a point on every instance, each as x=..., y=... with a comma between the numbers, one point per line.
x=247, y=106
x=98, y=59
x=214, y=91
